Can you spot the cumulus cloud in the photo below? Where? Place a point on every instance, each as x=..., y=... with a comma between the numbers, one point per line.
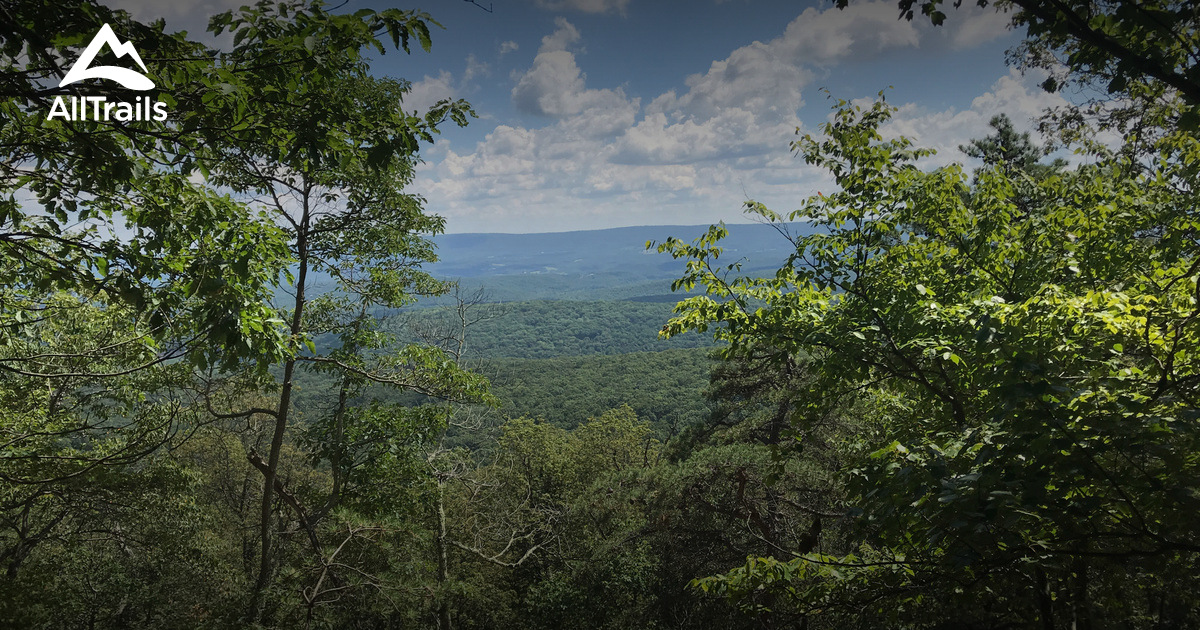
x=475, y=69
x=508, y=46
x=585, y=6
x=685, y=172
x=747, y=102
x=696, y=154
x=180, y=16
x=861, y=30
x=555, y=86
x=565, y=34
x=974, y=25
x=731, y=133
x=1015, y=95
x=426, y=92
x=753, y=77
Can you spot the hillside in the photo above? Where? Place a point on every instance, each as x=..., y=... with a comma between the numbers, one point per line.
x=593, y=264
x=546, y=328
x=663, y=388
x=615, y=250
x=566, y=361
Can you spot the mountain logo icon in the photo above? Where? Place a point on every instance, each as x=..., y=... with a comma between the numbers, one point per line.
x=126, y=77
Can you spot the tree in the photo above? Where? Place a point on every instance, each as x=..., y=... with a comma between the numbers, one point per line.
x=1143, y=51
x=1119, y=41
x=1012, y=151
x=549, y=518
x=93, y=207
x=1026, y=344
x=119, y=273
x=282, y=160
x=326, y=150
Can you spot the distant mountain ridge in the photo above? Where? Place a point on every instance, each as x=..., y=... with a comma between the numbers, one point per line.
x=610, y=251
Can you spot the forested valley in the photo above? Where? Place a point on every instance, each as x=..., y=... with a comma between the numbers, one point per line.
x=246, y=381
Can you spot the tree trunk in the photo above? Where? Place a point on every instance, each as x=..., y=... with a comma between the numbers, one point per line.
x=266, y=566
x=443, y=572
x=1045, y=602
x=339, y=424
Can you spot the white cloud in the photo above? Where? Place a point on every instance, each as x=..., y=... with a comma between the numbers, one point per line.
x=1015, y=95
x=747, y=103
x=973, y=25
x=753, y=77
x=475, y=69
x=180, y=16
x=585, y=6
x=508, y=46
x=696, y=155
x=565, y=34
x=555, y=86
x=731, y=133
x=861, y=30
x=428, y=91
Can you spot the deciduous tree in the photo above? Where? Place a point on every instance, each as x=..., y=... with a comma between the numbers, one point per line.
x=1027, y=341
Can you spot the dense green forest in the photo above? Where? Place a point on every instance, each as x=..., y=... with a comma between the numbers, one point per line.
x=562, y=361
x=545, y=329
x=663, y=388
x=235, y=392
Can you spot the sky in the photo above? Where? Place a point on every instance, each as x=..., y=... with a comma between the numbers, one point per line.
x=607, y=113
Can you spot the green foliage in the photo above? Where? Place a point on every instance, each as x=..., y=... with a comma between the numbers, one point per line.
x=107, y=207
x=327, y=150
x=1139, y=56
x=120, y=258
x=609, y=532
x=116, y=547
x=1034, y=335
x=577, y=564
x=561, y=287
x=86, y=484
x=663, y=388
x=965, y=400
x=1012, y=151
x=546, y=329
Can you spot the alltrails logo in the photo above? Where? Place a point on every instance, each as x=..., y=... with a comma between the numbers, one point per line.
x=97, y=108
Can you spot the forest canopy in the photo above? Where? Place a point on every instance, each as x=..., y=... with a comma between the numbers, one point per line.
x=968, y=398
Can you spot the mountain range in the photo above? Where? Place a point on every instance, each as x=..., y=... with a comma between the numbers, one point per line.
x=611, y=251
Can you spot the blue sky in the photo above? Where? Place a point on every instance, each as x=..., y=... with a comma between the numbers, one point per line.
x=605, y=113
